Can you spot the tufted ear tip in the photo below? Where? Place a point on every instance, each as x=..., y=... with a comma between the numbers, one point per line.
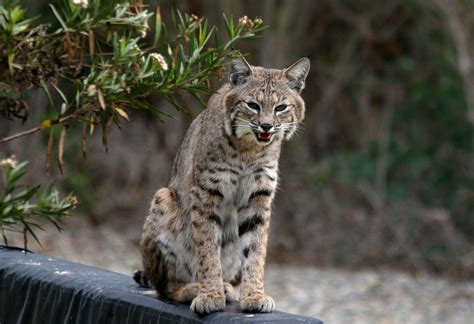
x=296, y=74
x=240, y=71
x=304, y=60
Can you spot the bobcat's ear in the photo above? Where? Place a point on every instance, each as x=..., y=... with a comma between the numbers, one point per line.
x=240, y=71
x=296, y=74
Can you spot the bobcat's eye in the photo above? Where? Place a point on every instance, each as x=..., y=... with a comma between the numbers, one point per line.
x=253, y=106
x=280, y=108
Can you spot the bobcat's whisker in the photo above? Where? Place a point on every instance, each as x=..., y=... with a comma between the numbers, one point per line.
x=242, y=127
x=242, y=119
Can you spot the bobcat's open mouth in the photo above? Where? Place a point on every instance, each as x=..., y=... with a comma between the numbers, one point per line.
x=264, y=137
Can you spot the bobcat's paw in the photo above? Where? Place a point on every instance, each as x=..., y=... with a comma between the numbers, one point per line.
x=230, y=293
x=257, y=303
x=210, y=302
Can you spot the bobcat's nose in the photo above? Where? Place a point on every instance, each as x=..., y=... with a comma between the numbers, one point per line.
x=266, y=127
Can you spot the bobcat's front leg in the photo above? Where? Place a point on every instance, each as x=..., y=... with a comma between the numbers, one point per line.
x=253, y=232
x=207, y=231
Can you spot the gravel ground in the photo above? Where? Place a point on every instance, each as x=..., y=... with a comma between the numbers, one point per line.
x=338, y=296
x=335, y=296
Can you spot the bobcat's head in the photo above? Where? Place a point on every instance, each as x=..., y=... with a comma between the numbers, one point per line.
x=265, y=104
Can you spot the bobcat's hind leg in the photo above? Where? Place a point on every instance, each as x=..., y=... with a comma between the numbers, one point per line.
x=230, y=293
x=164, y=204
x=159, y=256
x=183, y=293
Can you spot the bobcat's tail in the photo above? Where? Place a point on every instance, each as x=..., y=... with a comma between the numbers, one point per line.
x=141, y=278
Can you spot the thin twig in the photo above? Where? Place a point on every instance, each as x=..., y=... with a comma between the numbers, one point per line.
x=36, y=129
x=28, y=132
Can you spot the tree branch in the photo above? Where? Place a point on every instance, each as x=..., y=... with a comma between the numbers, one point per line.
x=18, y=135
x=38, y=128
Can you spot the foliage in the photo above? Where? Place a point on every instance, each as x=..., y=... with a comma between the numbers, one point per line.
x=22, y=207
x=100, y=50
x=102, y=61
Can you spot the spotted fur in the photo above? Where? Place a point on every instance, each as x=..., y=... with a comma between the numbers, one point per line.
x=206, y=232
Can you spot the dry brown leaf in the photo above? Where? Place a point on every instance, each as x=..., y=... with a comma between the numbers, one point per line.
x=83, y=141
x=49, y=151
x=105, y=131
x=100, y=96
x=91, y=43
x=122, y=113
x=91, y=130
x=62, y=139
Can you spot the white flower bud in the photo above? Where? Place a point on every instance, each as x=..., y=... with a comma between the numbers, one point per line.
x=160, y=60
x=91, y=90
x=82, y=3
x=10, y=162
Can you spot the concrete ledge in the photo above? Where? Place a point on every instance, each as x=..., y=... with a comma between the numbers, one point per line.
x=36, y=288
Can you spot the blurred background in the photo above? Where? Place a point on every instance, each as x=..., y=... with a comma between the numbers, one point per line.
x=379, y=180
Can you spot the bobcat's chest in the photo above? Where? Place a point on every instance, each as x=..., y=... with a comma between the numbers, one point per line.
x=238, y=187
x=233, y=191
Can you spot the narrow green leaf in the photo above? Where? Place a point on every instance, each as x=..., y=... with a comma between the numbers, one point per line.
x=30, y=230
x=231, y=23
x=228, y=27
x=58, y=16
x=11, y=58
x=19, y=28
x=24, y=195
x=198, y=98
x=60, y=93
x=158, y=24
x=33, y=224
x=192, y=45
x=44, y=86
x=204, y=42
x=16, y=173
x=181, y=19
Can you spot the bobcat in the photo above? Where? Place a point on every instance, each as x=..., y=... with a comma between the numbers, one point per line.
x=206, y=232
